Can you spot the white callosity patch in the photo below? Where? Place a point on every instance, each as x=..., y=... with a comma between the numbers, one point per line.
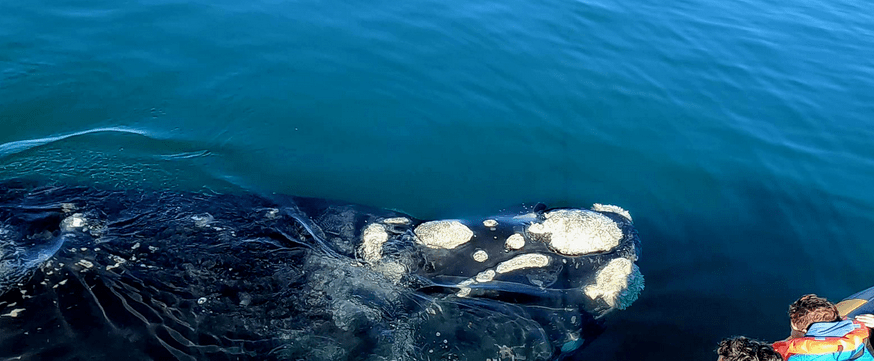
x=74, y=222
x=202, y=220
x=618, y=283
x=485, y=276
x=531, y=260
x=576, y=232
x=397, y=220
x=393, y=271
x=515, y=241
x=85, y=263
x=443, y=234
x=13, y=313
x=373, y=237
x=464, y=290
x=68, y=207
x=118, y=262
x=491, y=223
x=612, y=209
x=480, y=256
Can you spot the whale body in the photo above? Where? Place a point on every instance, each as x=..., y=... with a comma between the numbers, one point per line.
x=91, y=273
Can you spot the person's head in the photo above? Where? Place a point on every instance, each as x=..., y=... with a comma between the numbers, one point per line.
x=810, y=309
x=741, y=348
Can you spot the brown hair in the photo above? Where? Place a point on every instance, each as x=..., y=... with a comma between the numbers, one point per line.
x=741, y=348
x=810, y=309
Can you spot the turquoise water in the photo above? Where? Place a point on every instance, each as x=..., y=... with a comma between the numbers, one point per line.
x=738, y=134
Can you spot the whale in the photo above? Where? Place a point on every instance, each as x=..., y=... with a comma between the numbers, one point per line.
x=92, y=272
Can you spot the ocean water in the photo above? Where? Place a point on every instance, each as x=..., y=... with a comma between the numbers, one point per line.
x=738, y=134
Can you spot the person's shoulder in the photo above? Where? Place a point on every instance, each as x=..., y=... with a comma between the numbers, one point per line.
x=834, y=329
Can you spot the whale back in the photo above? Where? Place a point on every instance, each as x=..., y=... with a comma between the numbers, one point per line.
x=103, y=273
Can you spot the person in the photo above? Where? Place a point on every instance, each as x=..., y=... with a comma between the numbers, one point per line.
x=810, y=309
x=740, y=348
x=819, y=333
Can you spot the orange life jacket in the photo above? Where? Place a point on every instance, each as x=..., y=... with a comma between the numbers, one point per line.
x=838, y=341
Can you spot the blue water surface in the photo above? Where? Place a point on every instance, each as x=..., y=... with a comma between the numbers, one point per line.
x=740, y=134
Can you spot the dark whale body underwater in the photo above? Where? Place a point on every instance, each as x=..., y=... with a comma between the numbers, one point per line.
x=90, y=273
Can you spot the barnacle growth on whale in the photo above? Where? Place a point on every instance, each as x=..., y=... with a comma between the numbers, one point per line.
x=515, y=241
x=373, y=238
x=531, y=260
x=618, y=283
x=480, y=256
x=443, y=234
x=575, y=232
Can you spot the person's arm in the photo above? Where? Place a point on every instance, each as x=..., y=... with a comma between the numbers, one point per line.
x=867, y=319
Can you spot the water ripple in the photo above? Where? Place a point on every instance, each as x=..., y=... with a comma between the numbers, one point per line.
x=18, y=146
